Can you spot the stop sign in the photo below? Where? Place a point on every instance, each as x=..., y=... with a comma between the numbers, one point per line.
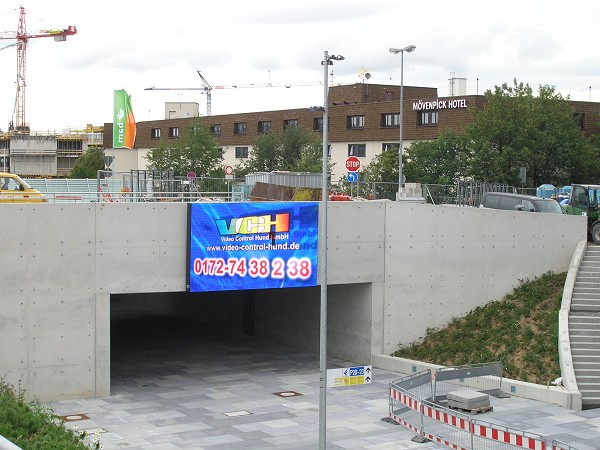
x=352, y=164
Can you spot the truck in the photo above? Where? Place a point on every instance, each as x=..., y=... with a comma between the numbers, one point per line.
x=584, y=201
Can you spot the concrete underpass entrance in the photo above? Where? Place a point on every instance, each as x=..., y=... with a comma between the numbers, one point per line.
x=236, y=370
x=184, y=327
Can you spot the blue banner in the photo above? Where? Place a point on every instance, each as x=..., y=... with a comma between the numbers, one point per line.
x=238, y=246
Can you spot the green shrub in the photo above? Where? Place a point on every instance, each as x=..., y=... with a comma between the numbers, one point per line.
x=32, y=425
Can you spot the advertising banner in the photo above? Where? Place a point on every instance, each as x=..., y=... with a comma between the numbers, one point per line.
x=124, y=127
x=238, y=246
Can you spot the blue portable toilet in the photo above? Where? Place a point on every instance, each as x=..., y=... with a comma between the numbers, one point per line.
x=546, y=191
x=564, y=194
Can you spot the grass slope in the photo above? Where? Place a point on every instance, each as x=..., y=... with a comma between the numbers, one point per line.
x=521, y=331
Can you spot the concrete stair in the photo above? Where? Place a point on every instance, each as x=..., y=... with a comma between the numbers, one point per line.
x=584, y=327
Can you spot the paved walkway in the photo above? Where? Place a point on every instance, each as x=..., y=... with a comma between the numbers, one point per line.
x=177, y=387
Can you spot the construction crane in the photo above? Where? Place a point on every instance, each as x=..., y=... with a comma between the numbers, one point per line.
x=22, y=38
x=207, y=88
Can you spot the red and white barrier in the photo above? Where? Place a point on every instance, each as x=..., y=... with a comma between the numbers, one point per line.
x=506, y=437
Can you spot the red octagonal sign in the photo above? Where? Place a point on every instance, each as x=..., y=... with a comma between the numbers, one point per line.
x=352, y=164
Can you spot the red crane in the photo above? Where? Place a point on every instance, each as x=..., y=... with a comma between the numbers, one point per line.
x=22, y=37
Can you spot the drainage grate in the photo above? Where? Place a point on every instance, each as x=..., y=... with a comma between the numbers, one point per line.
x=287, y=394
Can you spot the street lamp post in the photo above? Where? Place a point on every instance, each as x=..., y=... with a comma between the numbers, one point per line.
x=327, y=61
x=395, y=51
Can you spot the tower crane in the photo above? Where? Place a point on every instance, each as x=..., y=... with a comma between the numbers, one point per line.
x=207, y=88
x=22, y=37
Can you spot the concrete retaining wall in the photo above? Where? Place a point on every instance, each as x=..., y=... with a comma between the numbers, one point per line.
x=415, y=266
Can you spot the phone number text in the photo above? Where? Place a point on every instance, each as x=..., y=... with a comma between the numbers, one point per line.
x=277, y=268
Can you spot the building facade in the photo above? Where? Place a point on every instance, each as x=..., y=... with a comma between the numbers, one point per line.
x=363, y=122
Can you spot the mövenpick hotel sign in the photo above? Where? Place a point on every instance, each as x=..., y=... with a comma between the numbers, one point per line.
x=454, y=103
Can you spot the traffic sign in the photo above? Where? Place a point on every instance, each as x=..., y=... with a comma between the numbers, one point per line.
x=352, y=177
x=352, y=164
x=228, y=170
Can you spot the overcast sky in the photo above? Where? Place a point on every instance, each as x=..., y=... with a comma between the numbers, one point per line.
x=133, y=46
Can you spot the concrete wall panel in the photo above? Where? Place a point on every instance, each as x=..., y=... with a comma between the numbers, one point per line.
x=394, y=269
x=59, y=381
x=61, y=331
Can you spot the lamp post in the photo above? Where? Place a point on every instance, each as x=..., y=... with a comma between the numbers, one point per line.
x=395, y=51
x=327, y=61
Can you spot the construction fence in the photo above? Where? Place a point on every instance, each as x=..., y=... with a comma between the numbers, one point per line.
x=417, y=402
x=151, y=186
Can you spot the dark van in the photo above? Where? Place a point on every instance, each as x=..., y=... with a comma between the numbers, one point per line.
x=520, y=202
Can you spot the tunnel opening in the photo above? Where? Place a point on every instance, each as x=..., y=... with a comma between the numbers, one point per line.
x=171, y=334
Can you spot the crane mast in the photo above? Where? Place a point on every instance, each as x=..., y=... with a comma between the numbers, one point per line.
x=22, y=38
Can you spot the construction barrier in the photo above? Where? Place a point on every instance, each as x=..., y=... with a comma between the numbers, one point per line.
x=489, y=435
x=557, y=445
x=405, y=403
x=447, y=427
x=412, y=406
x=485, y=377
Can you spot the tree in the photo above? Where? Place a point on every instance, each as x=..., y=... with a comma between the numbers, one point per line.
x=517, y=129
x=88, y=164
x=195, y=151
x=297, y=150
x=383, y=167
x=443, y=161
x=514, y=129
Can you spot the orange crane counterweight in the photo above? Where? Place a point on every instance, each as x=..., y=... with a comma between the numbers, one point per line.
x=22, y=38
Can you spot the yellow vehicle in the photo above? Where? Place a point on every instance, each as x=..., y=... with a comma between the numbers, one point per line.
x=14, y=189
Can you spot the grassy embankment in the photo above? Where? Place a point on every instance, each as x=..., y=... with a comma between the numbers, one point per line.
x=521, y=331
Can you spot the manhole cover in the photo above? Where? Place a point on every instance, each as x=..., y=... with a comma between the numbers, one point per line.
x=74, y=417
x=286, y=394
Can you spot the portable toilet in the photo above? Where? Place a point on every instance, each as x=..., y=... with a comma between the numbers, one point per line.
x=564, y=194
x=546, y=191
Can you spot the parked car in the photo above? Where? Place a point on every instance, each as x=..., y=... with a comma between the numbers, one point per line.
x=520, y=202
x=14, y=189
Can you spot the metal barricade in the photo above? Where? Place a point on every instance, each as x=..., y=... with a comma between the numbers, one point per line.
x=490, y=436
x=406, y=395
x=485, y=377
x=448, y=427
x=558, y=445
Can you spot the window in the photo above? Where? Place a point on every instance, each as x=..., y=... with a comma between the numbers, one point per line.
x=390, y=120
x=239, y=128
x=241, y=152
x=173, y=132
x=428, y=118
x=215, y=129
x=390, y=146
x=290, y=123
x=356, y=122
x=69, y=145
x=155, y=133
x=264, y=127
x=318, y=124
x=357, y=150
